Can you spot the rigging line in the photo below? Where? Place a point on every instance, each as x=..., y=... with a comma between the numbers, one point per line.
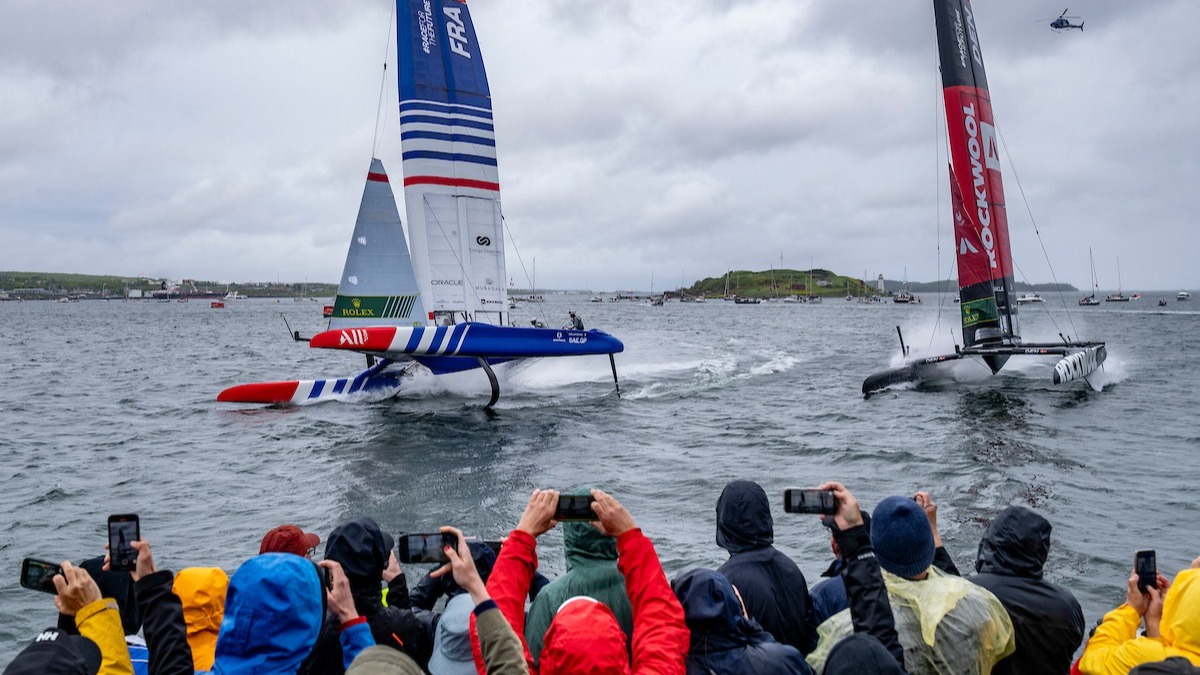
x=937, y=192
x=1012, y=165
x=382, y=84
x=532, y=290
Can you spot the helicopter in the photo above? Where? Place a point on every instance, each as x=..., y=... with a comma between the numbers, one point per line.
x=1063, y=22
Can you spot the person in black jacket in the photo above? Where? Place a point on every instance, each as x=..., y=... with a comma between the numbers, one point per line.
x=772, y=586
x=365, y=552
x=723, y=640
x=429, y=589
x=1046, y=618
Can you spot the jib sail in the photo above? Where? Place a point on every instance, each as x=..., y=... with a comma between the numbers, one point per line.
x=377, y=286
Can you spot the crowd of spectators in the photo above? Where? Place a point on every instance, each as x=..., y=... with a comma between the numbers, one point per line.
x=892, y=601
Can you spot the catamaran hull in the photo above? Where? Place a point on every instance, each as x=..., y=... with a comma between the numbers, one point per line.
x=470, y=339
x=299, y=392
x=1079, y=361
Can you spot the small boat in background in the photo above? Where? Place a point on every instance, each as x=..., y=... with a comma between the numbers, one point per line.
x=1026, y=298
x=327, y=311
x=1162, y=302
x=216, y=304
x=1183, y=295
x=1091, y=300
x=1118, y=296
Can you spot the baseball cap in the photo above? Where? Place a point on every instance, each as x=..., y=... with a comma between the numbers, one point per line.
x=288, y=539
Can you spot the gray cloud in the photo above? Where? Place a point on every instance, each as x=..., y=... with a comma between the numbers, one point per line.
x=229, y=140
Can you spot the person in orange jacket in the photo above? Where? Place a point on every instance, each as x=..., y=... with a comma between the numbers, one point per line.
x=201, y=590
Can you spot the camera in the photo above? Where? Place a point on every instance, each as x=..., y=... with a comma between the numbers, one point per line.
x=798, y=500
x=425, y=548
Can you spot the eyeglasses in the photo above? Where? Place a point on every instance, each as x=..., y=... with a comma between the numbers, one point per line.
x=312, y=552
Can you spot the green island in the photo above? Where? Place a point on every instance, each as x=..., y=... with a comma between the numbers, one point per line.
x=825, y=283
x=54, y=286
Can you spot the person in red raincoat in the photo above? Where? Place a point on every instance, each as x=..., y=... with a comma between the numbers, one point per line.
x=584, y=635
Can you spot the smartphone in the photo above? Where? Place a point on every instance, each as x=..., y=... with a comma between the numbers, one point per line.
x=425, y=548
x=797, y=500
x=575, y=507
x=122, y=529
x=326, y=575
x=1146, y=566
x=38, y=575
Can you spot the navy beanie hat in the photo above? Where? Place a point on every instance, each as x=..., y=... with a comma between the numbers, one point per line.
x=901, y=536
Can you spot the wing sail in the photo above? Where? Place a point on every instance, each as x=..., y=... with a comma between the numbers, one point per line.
x=985, y=275
x=451, y=180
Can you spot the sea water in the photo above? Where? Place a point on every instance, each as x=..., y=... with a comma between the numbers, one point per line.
x=109, y=407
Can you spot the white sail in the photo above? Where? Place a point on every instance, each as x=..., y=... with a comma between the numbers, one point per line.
x=378, y=287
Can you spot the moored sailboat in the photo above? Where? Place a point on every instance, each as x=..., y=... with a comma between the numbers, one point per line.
x=990, y=330
x=1091, y=300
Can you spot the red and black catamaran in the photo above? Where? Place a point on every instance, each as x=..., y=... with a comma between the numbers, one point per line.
x=985, y=269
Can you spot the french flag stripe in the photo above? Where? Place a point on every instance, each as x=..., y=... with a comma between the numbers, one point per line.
x=316, y=389
x=449, y=157
x=339, y=386
x=450, y=138
x=446, y=122
x=460, y=332
x=437, y=106
x=414, y=339
x=427, y=337
x=447, y=339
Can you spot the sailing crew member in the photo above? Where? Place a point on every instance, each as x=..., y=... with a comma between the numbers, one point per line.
x=576, y=322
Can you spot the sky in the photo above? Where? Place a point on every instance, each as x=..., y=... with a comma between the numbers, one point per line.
x=229, y=141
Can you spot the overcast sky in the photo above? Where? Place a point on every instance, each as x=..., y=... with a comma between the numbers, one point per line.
x=229, y=140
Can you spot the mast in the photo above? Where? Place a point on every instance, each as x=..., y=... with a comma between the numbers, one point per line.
x=985, y=277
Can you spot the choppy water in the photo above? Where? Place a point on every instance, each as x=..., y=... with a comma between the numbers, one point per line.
x=108, y=407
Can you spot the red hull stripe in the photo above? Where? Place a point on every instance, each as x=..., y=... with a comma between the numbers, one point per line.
x=376, y=339
x=378, y=177
x=452, y=182
x=260, y=392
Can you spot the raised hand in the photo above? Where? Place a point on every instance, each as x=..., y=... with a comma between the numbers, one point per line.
x=539, y=512
x=848, y=514
x=462, y=566
x=614, y=519
x=341, y=602
x=76, y=589
x=925, y=500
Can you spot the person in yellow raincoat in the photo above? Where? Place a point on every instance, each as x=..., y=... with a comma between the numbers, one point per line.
x=946, y=624
x=1172, y=616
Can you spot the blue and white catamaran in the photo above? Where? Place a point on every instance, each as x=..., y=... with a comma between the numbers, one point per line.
x=443, y=304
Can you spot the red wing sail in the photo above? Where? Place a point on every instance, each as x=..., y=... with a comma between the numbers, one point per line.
x=985, y=276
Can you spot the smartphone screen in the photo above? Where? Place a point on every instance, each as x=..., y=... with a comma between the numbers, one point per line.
x=38, y=575
x=123, y=529
x=1146, y=566
x=425, y=548
x=575, y=507
x=796, y=500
